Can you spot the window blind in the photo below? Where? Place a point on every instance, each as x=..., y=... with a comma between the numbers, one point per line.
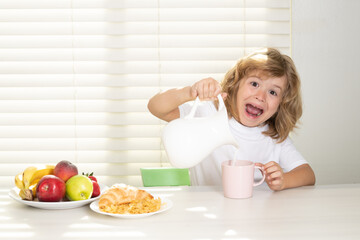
x=76, y=75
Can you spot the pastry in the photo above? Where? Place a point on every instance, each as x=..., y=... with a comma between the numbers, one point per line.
x=125, y=199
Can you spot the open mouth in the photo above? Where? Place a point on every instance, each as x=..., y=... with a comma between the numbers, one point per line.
x=253, y=111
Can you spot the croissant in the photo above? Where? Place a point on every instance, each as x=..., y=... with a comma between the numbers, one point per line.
x=121, y=193
x=121, y=198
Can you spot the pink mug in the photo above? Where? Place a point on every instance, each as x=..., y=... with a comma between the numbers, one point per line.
x=238, y=178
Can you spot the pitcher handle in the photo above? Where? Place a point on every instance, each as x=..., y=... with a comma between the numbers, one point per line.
x=193, y=109
x=196, y=103
x=221, y=102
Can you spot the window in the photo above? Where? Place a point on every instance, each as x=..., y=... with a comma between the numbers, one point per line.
x=76, y=75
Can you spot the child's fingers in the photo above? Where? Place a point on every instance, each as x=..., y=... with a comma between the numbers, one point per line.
x=270, y=177
x=200, y=90
x=275, y=182
x=224, y=95
x=217, y=91
x=274, y=175
x=206, y=91
x=212, y=89
x=271, y=169
x=194, y=92
x=269, y=164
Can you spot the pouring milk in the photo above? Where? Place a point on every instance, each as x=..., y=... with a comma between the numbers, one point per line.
x=189, y=140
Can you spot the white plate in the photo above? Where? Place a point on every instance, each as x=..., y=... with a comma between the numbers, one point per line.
x=166, y=204
x=14, y=194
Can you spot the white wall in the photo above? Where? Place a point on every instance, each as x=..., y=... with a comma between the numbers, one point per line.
x=326, y=51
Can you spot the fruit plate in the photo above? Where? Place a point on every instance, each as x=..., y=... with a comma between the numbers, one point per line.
x=166, y=204
x=14, y=194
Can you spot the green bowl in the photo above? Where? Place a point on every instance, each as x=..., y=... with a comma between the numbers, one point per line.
x=164, y=176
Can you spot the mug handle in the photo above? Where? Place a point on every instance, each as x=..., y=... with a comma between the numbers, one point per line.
x=196, y=103
x=263, y=177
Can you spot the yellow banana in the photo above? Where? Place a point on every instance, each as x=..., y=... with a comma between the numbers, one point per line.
x=30, y=178
x=27, y=175
x=33, y=190
x=26, y=194
x=37, y=175
x=19, y=182
x=35, y=182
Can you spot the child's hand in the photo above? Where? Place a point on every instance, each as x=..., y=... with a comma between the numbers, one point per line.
x=206, y=89
x=274, y=175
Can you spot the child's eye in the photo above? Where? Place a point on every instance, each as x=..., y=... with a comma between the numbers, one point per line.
x=254, y=84
x=272, y=92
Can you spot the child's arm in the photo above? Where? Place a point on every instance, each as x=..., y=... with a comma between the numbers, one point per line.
x=277, y=180
x=165, y=105
x=303, y=175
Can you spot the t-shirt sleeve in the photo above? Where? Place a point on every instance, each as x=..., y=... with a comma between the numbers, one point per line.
x=290, y=158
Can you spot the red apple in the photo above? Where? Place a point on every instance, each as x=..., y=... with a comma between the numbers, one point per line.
x=65, y=170
x=96, y=189
x=50, y=189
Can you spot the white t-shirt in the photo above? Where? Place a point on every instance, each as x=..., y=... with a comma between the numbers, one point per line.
x=254, y=146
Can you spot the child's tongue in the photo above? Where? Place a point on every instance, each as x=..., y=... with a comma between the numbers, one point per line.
x=253, y=110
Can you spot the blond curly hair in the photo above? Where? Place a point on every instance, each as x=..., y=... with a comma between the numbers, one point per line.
x=271, y=63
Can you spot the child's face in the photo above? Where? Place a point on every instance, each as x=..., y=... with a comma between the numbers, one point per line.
x=258, y=98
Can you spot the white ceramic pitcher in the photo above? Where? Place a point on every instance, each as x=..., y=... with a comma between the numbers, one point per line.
x=189, y=140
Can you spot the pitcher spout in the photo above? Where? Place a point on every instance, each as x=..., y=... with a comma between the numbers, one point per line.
x=234, y=143
x=224, y=129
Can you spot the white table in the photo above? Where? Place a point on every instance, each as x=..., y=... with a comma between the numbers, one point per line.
x=320, y=212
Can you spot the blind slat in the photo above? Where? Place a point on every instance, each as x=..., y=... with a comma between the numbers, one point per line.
x=146, y=41
x=45, y=4
x=143, y=14
x=67, y=144
x=91, y=156
x=101, y=28
x=149, y=54
x=70, y=118
x=112, y=93
x=89, y=131
x=29, y=106
x=99, y=80
x=103, y=67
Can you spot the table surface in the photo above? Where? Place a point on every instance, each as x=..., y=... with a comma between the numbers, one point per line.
x=316, y=212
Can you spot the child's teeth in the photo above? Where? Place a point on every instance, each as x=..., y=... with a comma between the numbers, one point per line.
x=258, y=114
